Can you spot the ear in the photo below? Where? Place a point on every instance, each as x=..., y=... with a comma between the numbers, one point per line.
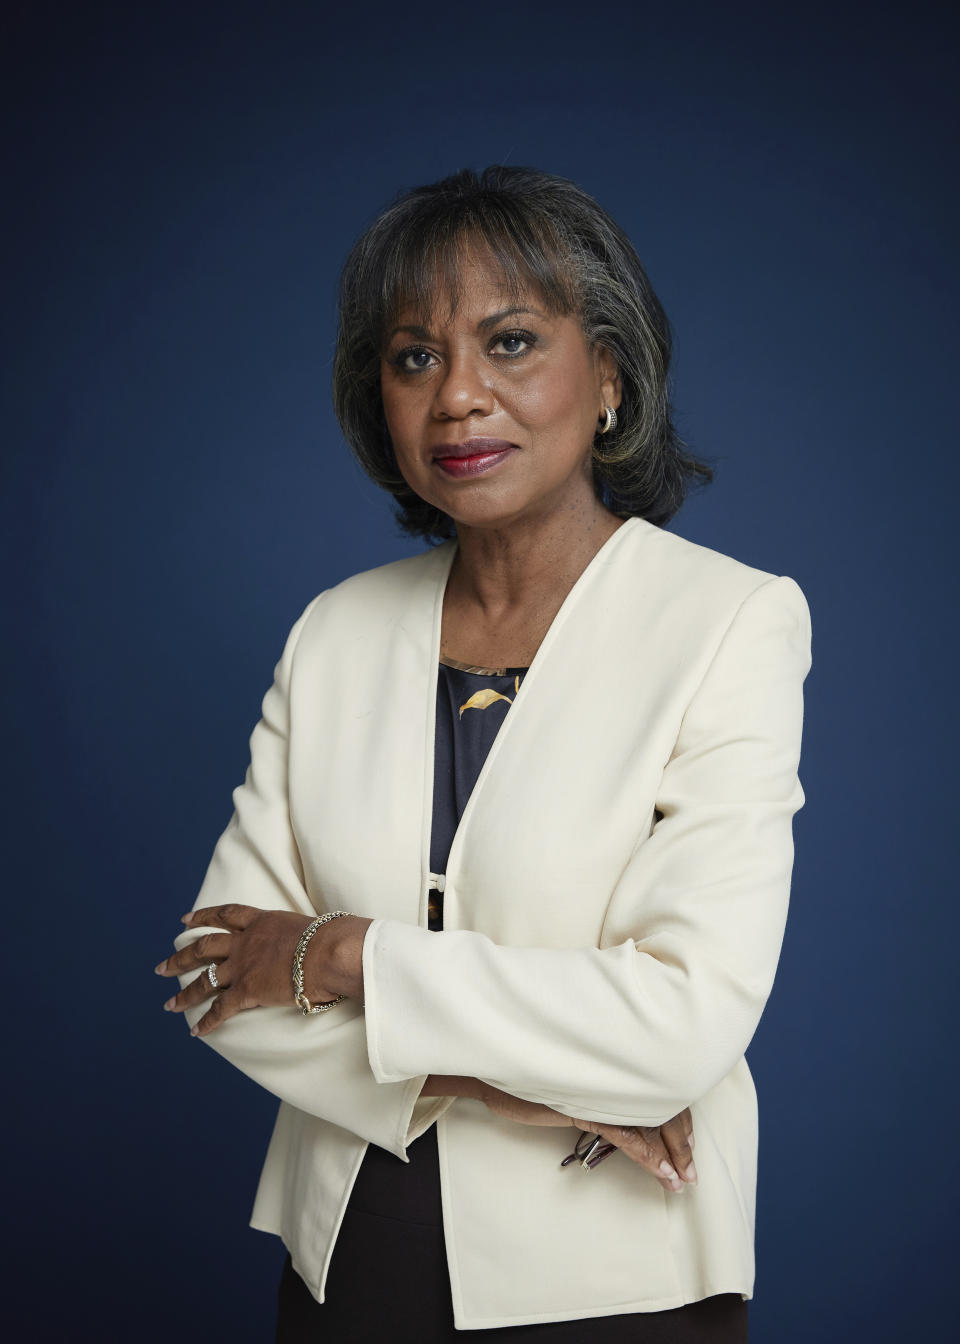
x=608, y=376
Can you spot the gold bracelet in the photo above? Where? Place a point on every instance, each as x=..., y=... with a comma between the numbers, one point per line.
x=302, y=1002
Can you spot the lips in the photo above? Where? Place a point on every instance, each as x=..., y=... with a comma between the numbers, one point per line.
x=472, y=456
x=471, y=448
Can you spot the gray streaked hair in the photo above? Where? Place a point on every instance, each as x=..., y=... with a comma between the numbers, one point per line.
x=543, y=232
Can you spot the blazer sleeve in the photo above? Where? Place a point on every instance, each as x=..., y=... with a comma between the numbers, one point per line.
x=318, y=1064
x=635, y=1030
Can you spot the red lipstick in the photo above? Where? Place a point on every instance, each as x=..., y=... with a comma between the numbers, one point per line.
x=472, y=456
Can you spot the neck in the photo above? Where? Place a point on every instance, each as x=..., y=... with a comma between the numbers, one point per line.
x=505, y=570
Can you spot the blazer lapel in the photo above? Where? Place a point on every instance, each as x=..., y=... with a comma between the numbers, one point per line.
x=522, y=838
x=361, y=764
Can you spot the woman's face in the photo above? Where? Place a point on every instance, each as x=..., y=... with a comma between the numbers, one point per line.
x=516, y=389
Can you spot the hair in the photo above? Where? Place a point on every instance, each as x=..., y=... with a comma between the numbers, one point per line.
x=543, y=232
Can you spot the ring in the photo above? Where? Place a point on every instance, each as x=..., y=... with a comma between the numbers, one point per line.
x=212, y=975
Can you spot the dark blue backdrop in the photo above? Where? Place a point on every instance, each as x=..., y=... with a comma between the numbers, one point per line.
x=182, y=186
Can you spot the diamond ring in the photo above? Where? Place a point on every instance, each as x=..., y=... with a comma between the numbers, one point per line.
x=212, y=975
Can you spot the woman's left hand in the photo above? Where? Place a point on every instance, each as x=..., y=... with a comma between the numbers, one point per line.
x=664, y=1150
x=254, y=961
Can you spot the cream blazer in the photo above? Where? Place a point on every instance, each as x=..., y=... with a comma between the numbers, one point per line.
x=614, y=905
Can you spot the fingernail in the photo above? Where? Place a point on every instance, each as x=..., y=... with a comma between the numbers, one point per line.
x=691, y=1173
x=185, y=919
x=194, y=1031
x=668, y=1171
x=690, y=1143
x=168, y=1006
x=159, y=970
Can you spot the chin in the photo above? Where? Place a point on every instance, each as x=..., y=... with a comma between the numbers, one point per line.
x=483, y=513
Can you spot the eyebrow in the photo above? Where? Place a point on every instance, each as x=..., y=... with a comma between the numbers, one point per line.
x=483, y=325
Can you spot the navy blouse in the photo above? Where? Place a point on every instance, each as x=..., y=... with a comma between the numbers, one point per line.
x=472, y=702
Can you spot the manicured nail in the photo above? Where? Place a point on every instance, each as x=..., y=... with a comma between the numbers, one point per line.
x=691, y=1173
x=168, y=1006
x=194, y=1031
x=668, y=1171
x=159, y=970
x=185, y=919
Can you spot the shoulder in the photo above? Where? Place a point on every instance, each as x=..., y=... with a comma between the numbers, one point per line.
x=390, y=581
x=706, y=587
x=681, y=561
x=368, y=601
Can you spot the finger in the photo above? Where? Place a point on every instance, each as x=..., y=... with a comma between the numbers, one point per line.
x=643, y=1145
x=677, y=1135
x=233, y=917
x=208, y=947
x=197, y=991
x=647, y=1147
x=224, y=1006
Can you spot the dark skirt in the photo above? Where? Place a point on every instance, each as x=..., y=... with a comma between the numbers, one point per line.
x=388, y=1277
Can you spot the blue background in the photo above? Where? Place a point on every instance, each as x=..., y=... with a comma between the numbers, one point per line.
x=182, y=185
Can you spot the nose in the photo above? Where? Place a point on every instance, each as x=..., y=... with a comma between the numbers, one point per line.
x=463, y=389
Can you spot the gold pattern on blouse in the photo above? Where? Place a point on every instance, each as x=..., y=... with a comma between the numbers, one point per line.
x=486, y=697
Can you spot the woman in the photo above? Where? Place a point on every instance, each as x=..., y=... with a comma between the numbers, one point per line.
x=541, y=779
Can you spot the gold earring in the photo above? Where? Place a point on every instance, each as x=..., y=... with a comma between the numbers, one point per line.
x=609, y=420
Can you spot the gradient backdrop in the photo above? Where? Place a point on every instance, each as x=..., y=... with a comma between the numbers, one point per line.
x=182, y=185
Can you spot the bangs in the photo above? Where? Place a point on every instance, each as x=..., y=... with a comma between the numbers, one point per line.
x=427, y=265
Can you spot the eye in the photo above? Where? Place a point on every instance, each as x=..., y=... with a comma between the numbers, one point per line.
x=412, y=359
x=512, y=341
